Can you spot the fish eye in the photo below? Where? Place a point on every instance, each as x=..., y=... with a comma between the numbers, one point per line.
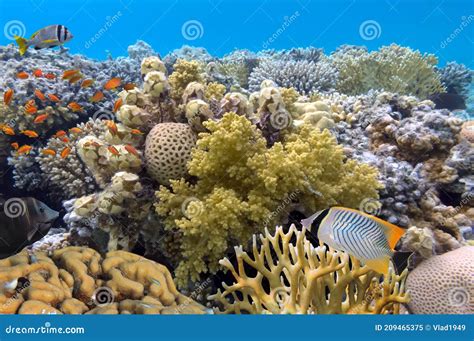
x=41, y=209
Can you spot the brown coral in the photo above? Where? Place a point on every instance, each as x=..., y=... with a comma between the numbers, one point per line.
x=168, y=150
x=77, y=280
x=443, y=284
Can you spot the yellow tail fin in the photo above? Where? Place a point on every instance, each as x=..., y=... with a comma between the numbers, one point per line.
x=22, y=44
x=380, y=265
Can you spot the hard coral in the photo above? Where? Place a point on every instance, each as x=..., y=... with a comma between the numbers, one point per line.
x=77, y=280
x=294, y=277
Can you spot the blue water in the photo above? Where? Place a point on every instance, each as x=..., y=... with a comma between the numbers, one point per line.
x=223, y=25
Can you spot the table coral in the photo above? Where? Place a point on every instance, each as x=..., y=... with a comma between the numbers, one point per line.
x=78, y=280
x=241, y=183
x=294, y=277
x=443, y=284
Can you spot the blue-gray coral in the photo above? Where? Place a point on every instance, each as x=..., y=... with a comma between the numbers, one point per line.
x=456, y=78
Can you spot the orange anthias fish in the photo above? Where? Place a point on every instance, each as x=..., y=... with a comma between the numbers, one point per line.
x=129, y=148
x=40, y=95
x=65, y=140
x=59, y=133
x=40, y=118
x=136, y=132
x=24, y=149
x=129, y=86
x=22, y=75
x=113, y=150
x=117, y=105
x=65, y=152
x=31, y=108
x=8, y=96
x=98, y=96
x=87, y=83
x=112, y=84
x=69, y=73
x=74, y=107
x=75, y=78
x=48, y=152
x=75, y=130
x=15, y=145
x=30, y=133
x=8, y=130
x=54, y=98
x=38, y=73
x=112, y=126
x=50, y=76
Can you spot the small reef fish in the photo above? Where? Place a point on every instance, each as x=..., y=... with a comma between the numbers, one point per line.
x=65, y=152
x=131, y=150
x=8, y=96
x=129, y=86
x=136, y=132
x=74, y=107
x=19, y=231
x=112, y=127
x=60, y=133
x=98, y=96
x=75, y=78
x=50, y=76
x=112, y=84
x=25, y=149
x=8, y=130
x=117, y=105
x=69, y=73
x=48, y=37
x=15, y=145
x=75, y=130
x=65, y=140
x=54, y=98
x=113, y=150
x=31, y=109
x=22, y=75
x=368, y=238
x=48, y=152
x=29, y=133
x=38, y=73
x=40, y=118
x=87, y=83
x=40, y=95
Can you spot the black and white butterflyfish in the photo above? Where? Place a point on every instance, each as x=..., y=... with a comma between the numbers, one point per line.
x=369, y=239
x=48, y=37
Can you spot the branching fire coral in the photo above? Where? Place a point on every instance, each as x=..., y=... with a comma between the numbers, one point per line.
x=241, y=183
x=298, y=278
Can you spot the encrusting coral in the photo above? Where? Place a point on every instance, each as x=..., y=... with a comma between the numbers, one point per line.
x=241, y=183
x=294, y=277
x=78, y=280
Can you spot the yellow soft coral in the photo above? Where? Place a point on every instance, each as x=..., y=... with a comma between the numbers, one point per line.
x=294, y=277
x=242, y=185
x=184, y=73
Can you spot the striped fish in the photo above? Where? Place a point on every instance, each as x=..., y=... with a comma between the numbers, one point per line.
x=368, y=238
x=48, y=37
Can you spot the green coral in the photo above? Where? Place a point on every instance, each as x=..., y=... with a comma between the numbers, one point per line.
x=242, y=185
x=184, y=73
x=215, y=91
x=392, y=68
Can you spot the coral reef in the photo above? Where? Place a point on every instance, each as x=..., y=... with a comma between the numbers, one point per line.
x=443, y=284
x=241, y=183
x=456, y=78
x=298, y=278
x=77, y=280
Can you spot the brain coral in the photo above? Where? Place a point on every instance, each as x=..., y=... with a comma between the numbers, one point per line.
x=77, y=280
x=443, y=284
x=168, y=150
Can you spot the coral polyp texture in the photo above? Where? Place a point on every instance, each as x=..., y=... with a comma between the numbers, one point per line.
x=78, y=280
x=295, y=277
x=178, y=159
